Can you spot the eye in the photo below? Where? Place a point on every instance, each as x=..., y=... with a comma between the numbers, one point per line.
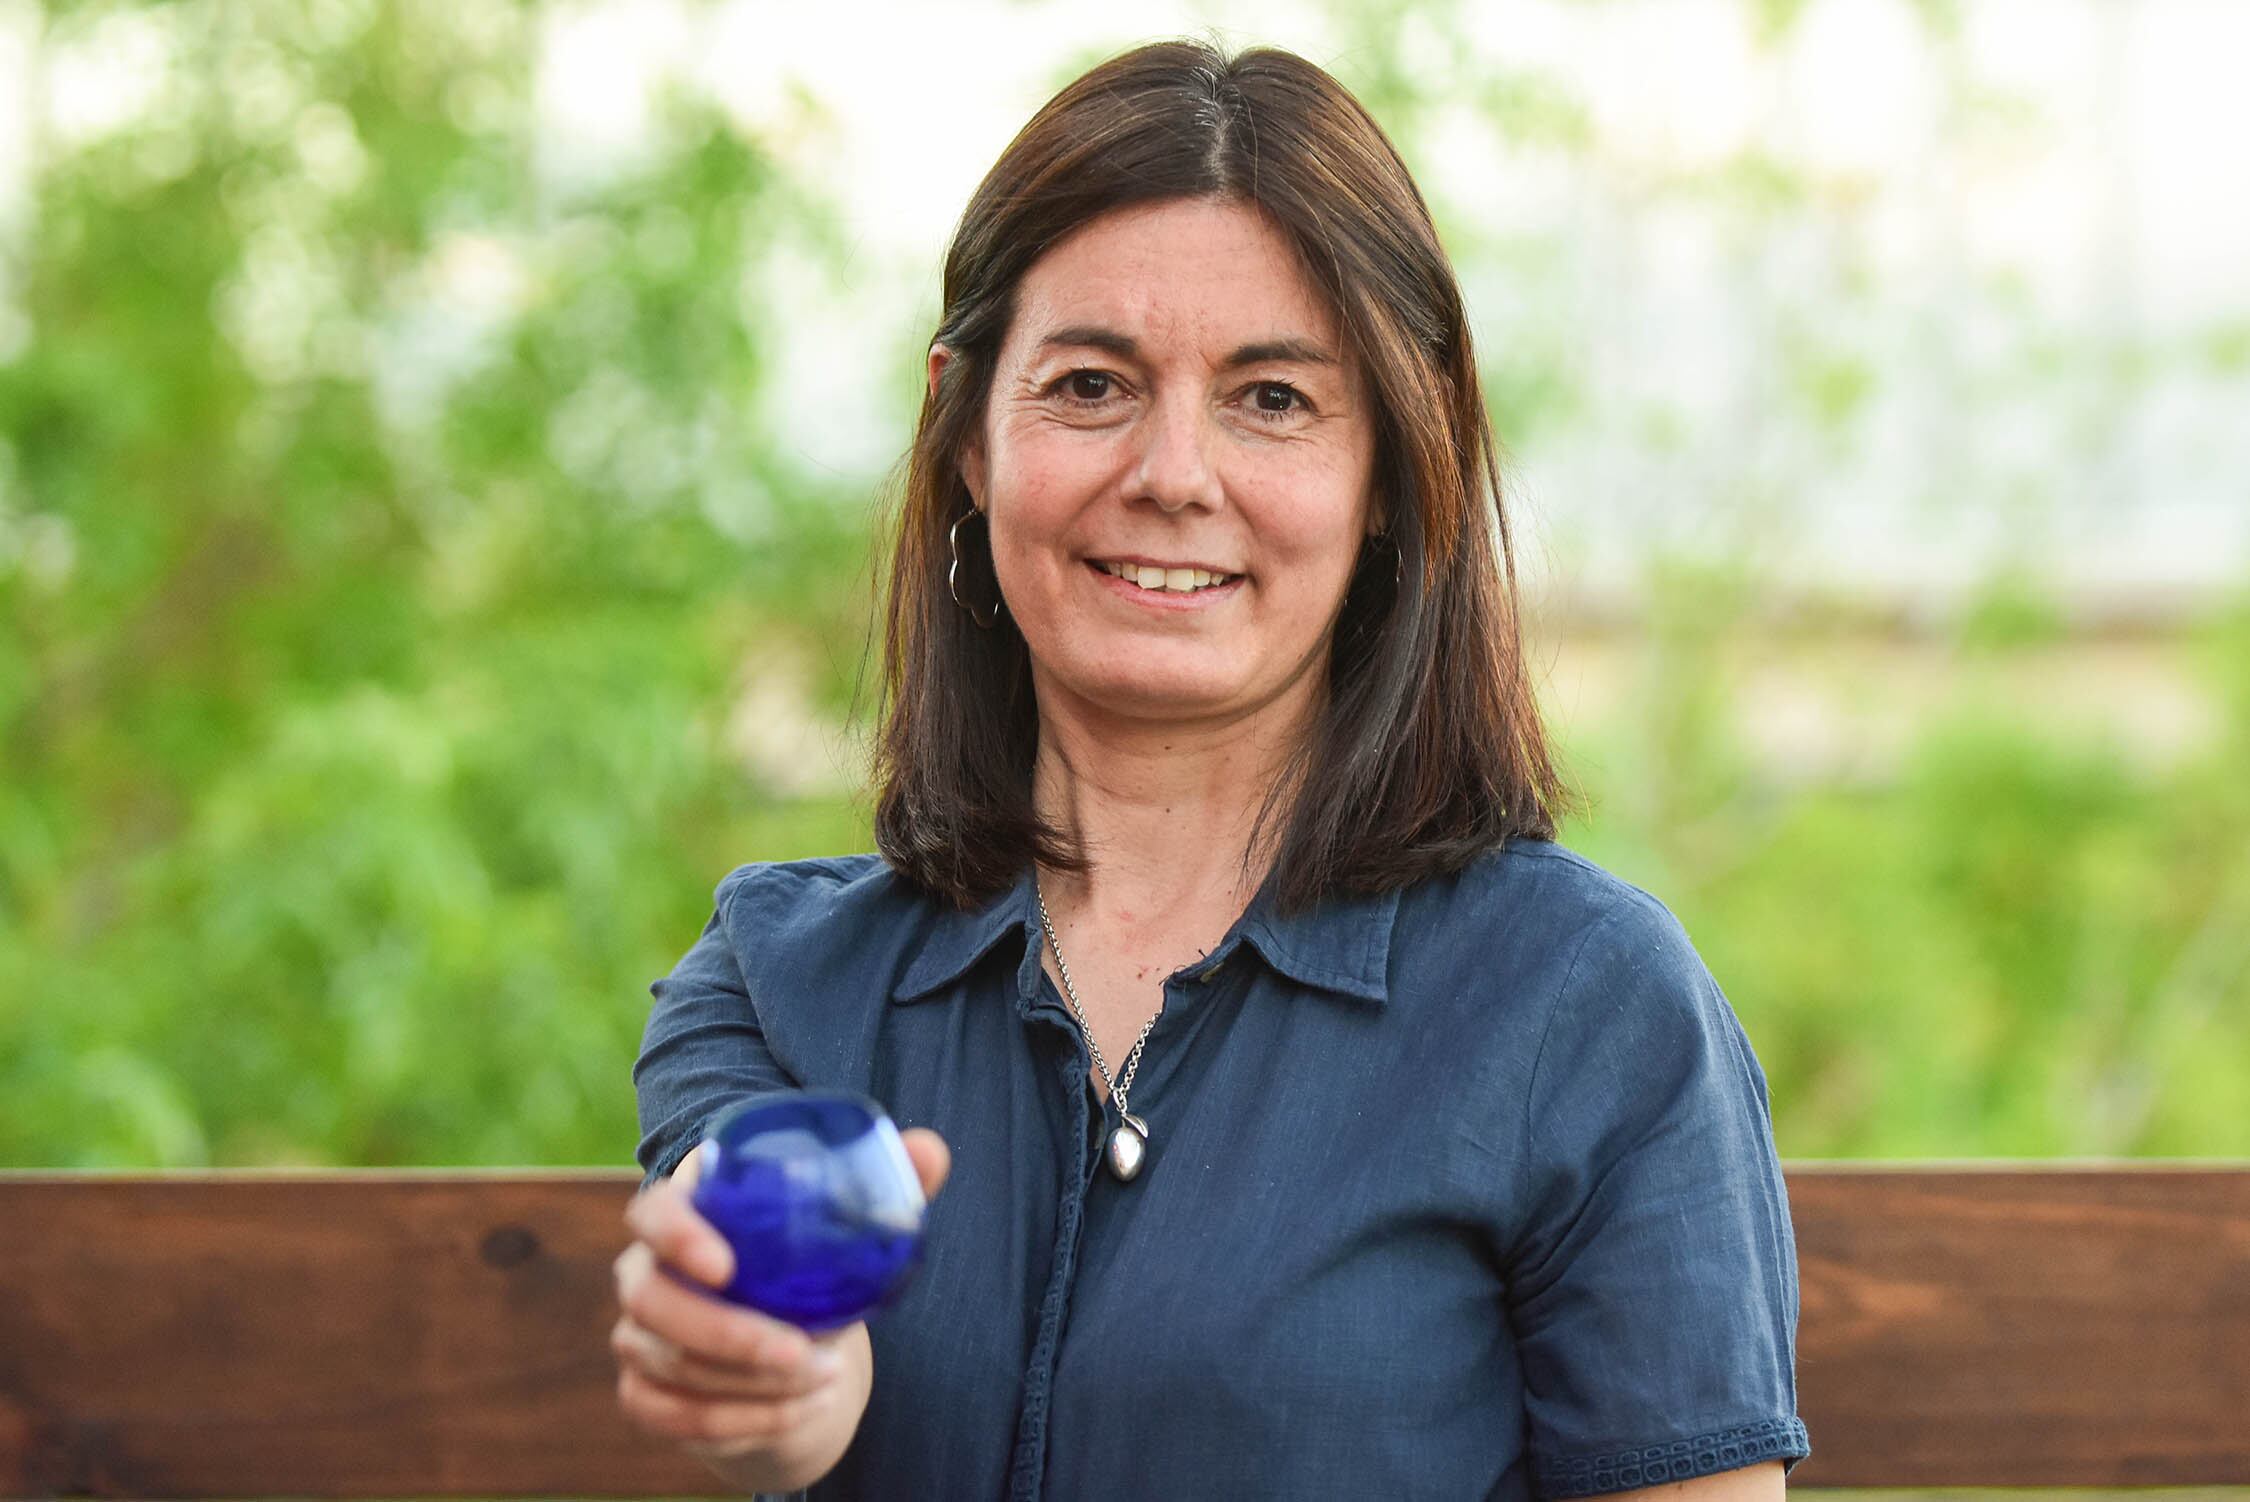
x=1085, y=385
x=1276, y=398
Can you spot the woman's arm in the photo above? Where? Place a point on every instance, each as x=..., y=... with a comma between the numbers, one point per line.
x=1652, y=1282
x=1750, y=1483
x=703, y=1050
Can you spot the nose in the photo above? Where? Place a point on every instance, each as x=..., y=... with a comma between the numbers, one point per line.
x=1174, y=466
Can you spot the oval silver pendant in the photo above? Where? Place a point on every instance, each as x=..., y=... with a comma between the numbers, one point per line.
x=1128, y=1148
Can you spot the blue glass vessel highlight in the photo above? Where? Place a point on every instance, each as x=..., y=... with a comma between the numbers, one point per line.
x=815, y=1192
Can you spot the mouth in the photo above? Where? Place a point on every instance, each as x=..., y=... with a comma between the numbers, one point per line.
x=1159, y=578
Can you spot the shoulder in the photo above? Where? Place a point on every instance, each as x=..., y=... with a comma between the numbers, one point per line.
x=1589, y=963
x=766, y=902
x=1546, y=897
x=818, y=944
x=1549, y=945
x=1626, y=994
x=803, y=889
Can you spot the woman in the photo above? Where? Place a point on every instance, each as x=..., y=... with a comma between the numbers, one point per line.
x=1317, y=1125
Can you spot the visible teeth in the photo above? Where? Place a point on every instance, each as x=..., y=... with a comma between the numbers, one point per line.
x=1177, y=580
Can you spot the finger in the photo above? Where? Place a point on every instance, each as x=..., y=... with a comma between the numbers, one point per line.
x=679, y=1415
x=933, y=1160
x=696, y=1321
x=687, y=1170
x=677, y=1232
x=661, y=1361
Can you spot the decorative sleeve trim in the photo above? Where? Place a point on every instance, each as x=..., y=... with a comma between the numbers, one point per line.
x=1675, y=1460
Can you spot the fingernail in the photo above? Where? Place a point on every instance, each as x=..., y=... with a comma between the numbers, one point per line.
x=824, y=1361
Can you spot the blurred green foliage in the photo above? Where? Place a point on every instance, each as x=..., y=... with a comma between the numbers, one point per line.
x=2024, y=944
x=364, y=746
x=384, y=684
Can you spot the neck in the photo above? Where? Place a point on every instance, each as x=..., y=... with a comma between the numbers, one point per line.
x=1164, y=810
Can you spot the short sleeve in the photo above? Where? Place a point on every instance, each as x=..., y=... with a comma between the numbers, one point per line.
x=1652, y=1286
x=702, y=1051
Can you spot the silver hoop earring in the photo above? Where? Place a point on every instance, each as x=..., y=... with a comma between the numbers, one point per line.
x=953, y=576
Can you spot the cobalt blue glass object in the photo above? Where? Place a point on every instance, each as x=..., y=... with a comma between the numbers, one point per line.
x=814, y=1191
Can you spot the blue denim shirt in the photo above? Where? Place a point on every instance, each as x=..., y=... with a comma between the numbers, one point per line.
x=1463, y=1191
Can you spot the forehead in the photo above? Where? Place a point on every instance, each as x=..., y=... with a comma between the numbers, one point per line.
x=1189, y=272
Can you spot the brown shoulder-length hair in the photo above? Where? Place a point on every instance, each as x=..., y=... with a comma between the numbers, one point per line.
x=1429, y=748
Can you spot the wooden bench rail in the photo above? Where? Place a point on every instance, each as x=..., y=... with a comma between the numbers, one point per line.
x=445, y=1333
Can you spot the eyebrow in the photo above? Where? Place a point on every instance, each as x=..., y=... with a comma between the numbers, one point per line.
x=1094, y=336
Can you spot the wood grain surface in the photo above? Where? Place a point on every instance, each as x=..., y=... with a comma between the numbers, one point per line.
x=2013, y=1325
x=388, y=1334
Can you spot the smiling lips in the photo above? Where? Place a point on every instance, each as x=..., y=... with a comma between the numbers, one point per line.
x=1180, y=581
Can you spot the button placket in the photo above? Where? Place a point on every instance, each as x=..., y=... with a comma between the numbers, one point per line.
x=1028, y=1461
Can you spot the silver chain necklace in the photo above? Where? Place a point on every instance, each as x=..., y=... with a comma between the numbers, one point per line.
x=1128, y=1145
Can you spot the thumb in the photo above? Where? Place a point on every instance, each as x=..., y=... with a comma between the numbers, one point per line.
x=933, y=1160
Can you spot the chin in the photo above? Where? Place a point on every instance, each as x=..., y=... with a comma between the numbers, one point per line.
x=1159, y=696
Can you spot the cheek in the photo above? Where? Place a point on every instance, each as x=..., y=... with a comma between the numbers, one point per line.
x=1040, y=495
x=1040, y=481
x=1311, y=520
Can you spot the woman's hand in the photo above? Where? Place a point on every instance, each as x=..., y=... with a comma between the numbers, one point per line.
x=763, y=1404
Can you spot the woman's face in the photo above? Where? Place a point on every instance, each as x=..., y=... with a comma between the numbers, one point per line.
x=1176, y=461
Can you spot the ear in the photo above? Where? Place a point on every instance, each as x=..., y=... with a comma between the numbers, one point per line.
x=972, y=451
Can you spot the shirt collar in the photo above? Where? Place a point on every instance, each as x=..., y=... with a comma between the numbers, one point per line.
x=1341, y=945
x=959, y=938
